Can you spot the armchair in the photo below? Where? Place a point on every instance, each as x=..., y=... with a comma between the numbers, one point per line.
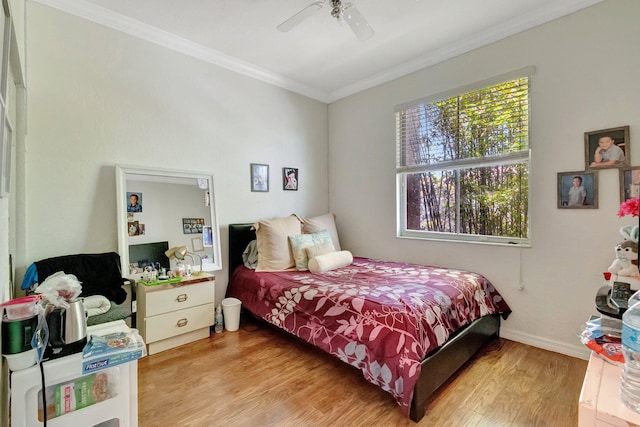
x=99, y=274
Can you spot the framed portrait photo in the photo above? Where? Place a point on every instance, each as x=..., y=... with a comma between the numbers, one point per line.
x=578, y=190
x=607, y=148
x=629, y=183
x=290, y=179
x=259, y=177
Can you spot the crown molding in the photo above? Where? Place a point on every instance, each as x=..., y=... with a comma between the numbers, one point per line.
x=102, y=16
x=135, y=28
x=483, y=38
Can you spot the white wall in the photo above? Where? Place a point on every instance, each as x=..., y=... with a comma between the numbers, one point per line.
x=98, y=97
x=587, y=79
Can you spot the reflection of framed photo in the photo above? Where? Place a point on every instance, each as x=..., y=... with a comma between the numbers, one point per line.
x=607, y=148
x=629, y=183
x=133, y=228
x=134, y=202
x=577, y=190
x=196, y=242
x=192, y=225
x=259, y=177
x=207, y=236
x=290, y=179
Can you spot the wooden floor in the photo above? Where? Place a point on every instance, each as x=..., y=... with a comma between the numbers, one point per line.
x=259, y=377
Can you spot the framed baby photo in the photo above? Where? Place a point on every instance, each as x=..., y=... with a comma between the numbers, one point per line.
x=290, y=179
x=629, y=183
x=607, y=148
x=578, y=190
x=259, y=177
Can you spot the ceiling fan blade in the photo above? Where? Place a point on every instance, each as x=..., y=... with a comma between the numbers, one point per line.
x=356, y=21
x=305, y=13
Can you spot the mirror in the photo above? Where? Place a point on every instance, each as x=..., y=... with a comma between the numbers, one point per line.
x=159, y=209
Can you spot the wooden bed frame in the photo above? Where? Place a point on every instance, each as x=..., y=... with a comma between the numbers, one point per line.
x=438, y=366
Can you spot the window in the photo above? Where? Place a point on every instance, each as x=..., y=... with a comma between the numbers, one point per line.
x=463, y=163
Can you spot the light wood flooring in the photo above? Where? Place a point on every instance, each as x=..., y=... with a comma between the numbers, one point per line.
x=259, y=377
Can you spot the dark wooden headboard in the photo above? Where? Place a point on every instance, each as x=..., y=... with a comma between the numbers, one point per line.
x=239, y=237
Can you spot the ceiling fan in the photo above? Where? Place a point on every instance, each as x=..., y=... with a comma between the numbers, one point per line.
x=347, y=12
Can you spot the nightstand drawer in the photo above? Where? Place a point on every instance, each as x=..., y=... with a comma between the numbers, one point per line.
x=179, y=298
x=179, y=322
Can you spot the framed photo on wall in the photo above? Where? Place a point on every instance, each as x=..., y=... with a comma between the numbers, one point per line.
x=629, y=183
x=577, y=190
x=259, y=177
x=607, y=148
x=290, y=179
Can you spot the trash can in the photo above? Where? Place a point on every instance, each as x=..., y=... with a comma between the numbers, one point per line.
x=231, y=312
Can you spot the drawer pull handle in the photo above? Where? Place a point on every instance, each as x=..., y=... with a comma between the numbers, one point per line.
x=182, y=322
x=182, y=298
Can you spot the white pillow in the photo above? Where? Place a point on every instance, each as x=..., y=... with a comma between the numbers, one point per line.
x=319, y=223
x=330, y=261
x=319, y=249
x=272, y=235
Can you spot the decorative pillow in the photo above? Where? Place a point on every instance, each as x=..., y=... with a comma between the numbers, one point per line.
x=250, y=255
x=303, y=241
x=272, y=235
x=319, y=249
x=319, y=223
x=330, y=261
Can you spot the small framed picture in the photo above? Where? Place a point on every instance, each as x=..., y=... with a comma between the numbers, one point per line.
x=629, y=183
x=259, y=177
x=290, y=179
x=607, y=148
x=577, y=190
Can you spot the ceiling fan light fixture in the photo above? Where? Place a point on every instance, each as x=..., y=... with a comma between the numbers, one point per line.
x=347, y=12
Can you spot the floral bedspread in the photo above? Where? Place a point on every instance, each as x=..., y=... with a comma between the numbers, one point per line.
x=381, y=317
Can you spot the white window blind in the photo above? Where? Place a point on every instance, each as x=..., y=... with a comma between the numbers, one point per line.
x=462, y=161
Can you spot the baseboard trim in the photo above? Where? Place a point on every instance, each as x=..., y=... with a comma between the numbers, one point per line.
x=577, y=350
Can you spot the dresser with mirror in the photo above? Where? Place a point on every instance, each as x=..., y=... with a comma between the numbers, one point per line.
x=169, y=245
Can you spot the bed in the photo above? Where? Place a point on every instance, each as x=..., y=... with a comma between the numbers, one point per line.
x=359, y=314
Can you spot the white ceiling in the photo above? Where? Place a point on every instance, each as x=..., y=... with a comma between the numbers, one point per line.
x=321, y=58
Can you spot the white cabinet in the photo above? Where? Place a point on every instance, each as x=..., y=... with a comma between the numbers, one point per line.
x=600, y=403
x=113, y=391
x=177, y=313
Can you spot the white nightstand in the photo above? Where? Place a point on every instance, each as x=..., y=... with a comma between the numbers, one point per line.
x=600, y=403
x=173, y=314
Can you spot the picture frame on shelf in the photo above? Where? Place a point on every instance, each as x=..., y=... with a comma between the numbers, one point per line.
x=607, y=148
x=578, y=190
x=290, y=179
x=259, y=177
x=629, y=183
